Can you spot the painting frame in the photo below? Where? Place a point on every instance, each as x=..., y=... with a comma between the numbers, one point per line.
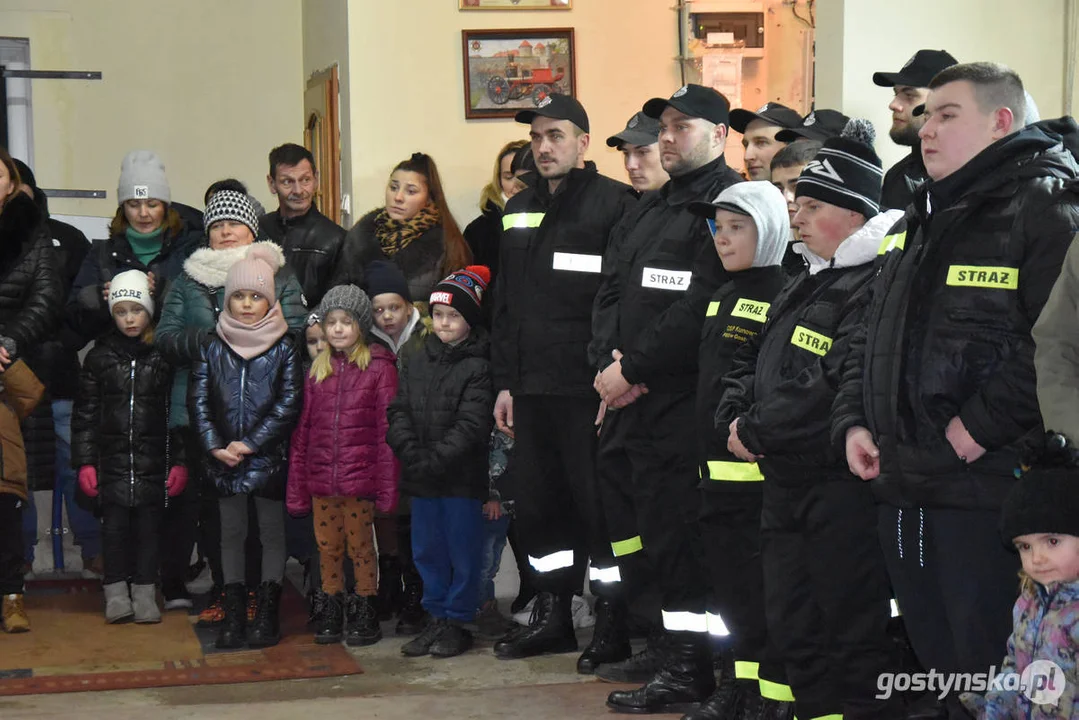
x=468, y=5
x=523, y=66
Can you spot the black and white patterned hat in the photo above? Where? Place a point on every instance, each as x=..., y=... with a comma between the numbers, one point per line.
x=230, y=205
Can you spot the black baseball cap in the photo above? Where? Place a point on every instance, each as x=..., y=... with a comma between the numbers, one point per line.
x=771, y=113
x=918, y=71
x=817, y=125
x=558, y=107
x=640, y=130
x=693, y=100
x=704, y=209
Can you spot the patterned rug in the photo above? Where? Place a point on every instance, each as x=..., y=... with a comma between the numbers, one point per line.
x=70, y=648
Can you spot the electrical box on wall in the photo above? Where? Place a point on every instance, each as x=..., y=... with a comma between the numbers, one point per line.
x=736, y=29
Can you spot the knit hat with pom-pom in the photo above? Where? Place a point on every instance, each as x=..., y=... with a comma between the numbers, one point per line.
x=846, y=171
x=463, y=290
x=255, y=273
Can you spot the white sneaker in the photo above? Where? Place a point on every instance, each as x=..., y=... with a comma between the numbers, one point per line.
x=582, y=613
x=523, y=617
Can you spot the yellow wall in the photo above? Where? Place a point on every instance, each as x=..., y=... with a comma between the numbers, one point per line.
x=856, y=38
x=211, y=86
x=407, y=87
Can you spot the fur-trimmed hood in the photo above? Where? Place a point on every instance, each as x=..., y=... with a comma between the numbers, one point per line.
x=21, y=223
x=209, y=267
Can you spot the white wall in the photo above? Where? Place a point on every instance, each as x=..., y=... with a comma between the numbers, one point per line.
x=855, y=38
x=211, y=86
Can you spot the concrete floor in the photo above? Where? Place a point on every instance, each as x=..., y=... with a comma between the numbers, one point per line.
x=475, y=685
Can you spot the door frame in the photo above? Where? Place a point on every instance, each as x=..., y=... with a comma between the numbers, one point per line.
x=328, y=159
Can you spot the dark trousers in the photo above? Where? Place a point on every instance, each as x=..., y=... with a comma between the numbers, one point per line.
x=650, y=501
x=730, y=530
x=11, y=545
x=559, y=518
x=826, y=592
x=447, y=538
x=131, y=541
x=955, y=583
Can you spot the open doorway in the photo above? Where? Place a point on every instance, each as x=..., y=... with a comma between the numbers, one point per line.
x=322, y=136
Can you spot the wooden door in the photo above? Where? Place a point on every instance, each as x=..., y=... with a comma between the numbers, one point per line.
x=322, y=136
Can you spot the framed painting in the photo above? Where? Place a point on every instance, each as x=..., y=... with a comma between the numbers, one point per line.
x=506, y=71
x=515, y=4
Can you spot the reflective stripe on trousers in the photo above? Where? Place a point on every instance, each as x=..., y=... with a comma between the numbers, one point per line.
x=554, y=561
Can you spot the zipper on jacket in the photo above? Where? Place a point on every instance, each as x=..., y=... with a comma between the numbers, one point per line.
x=336, y=415
x=243, y=395
x=131, y=435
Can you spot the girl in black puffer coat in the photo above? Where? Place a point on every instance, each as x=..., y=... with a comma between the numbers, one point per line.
x=244, y=399
x=123, y=450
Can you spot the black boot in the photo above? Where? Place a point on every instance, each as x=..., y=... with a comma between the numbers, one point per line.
x=389, y=587
x=685, y=680
x=332, y=619
x=638, y=668
x=230, y=634
x=412, y=618
x=728, y=701
x=610, y=639
x=266, y=630
x=361, y=623
x=550, y=630
x=452, y=641
x=758, y=708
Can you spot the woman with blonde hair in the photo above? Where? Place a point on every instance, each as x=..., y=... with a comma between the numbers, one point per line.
x=482, y=234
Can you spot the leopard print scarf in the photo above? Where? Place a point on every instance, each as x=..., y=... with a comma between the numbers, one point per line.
x=395, y=235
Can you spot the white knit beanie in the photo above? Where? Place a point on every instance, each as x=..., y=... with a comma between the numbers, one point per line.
x=142, y=177
x=131, y=286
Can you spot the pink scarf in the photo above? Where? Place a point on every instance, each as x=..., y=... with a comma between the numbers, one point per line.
x=250, y=341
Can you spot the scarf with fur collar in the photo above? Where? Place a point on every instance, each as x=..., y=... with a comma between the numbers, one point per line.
x=209, y=267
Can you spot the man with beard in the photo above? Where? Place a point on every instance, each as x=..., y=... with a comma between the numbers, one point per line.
x=554, y=234
x=311, y=241
x=659, y=277
x=911, y=87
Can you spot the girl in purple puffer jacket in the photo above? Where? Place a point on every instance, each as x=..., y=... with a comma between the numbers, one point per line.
x=341, y=467
x=1039, y=675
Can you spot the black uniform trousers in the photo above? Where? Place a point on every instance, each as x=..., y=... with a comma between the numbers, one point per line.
x=131, y=543
x=12, y=551
x=651, y=501
x=559, y=518
x=826, y=592
x=730, y=533
x=955, y=583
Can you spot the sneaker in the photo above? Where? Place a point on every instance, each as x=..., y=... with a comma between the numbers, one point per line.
x=421, y=644
x=215, y=611
x=454, y=640
x=14, y=615
x=176, y=597
x=524, y=615
x=490, y=623
x=582, y=613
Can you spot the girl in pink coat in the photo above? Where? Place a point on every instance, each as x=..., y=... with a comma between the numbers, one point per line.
x=341, y=467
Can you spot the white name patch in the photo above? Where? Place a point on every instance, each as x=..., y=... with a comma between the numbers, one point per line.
x=577, y=262
x=666, y=279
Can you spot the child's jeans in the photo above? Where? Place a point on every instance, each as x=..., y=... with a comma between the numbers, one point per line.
x=447, y=537
x=494, y=541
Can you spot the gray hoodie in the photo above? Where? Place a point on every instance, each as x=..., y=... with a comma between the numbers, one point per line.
x=763, y=202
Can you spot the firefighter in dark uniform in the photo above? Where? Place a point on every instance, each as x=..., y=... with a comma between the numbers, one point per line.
x=752, y=229
x=554, y=235
x=646, y=330
x=825, y=589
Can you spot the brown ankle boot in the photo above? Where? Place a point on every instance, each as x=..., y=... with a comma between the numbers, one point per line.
x=14, y=615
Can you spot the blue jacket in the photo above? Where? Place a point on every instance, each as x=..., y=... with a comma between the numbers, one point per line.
x=257, y=402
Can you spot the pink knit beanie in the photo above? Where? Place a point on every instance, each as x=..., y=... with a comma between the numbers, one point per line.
x=254, y=273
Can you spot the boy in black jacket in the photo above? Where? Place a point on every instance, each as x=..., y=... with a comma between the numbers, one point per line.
x=440, y=424
x=825, y=590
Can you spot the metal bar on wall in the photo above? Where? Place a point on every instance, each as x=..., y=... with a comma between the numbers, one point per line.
x=92, y=194
x=3, y=110
x=53, y=74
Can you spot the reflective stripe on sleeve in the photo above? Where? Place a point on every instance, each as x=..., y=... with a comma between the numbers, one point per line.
x=746, y=670
x=775, y=691
x=522, y=220
x=726, y=471
x=627, y=547
x=607, y=574
x=716, y=626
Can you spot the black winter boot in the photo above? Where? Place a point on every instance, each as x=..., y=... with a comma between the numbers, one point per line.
x=610, y=638
x=266, y=630
x=758, y=708
x=412, y=618
x=230, y=634
x=361, y=623
x=389, y=587
x=640, y=667
x=685, y=680
x=728, y=701
x=330, y=622
x=550, y=630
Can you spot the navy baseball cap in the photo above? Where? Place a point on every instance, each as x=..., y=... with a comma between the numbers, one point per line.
x=558, y=107
x=693, y=100
x=772, y=113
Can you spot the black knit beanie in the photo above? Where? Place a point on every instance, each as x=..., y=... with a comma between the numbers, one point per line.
x=383, y=276
x=1045, y=500
x=846, y=171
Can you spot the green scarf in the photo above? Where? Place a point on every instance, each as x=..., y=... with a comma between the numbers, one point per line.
x=395, y=235
x=146, y=246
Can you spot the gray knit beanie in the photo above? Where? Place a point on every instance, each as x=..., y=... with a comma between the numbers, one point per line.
x=350, y=299
x=230, y=205
x=142, y=177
